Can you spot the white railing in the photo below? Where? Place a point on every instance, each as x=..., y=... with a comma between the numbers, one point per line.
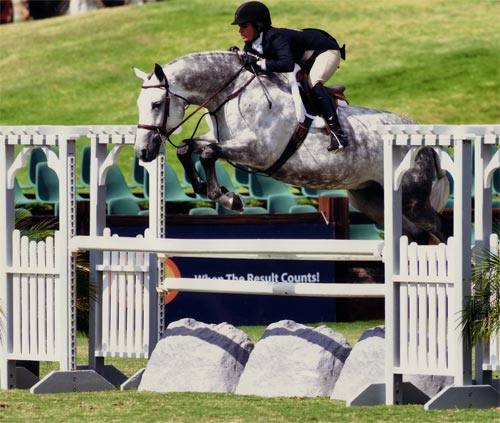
x=34, y=298
x=126, y=295
x=425, y=287
x=37, y=278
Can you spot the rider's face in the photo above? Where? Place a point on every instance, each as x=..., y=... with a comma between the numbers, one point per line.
x=248, y=32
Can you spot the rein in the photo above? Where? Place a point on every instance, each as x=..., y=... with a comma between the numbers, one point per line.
x=162, y=129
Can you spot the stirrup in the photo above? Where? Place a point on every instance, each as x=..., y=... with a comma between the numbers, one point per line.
x=335, y=143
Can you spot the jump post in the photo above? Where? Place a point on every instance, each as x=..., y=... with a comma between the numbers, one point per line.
x=410, y=344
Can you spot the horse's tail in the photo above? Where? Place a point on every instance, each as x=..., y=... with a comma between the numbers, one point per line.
x=441, y=188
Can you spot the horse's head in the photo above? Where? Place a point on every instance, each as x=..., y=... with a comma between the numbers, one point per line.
x=160, y=112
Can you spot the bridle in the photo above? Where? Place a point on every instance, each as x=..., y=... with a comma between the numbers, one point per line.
x=162, y=128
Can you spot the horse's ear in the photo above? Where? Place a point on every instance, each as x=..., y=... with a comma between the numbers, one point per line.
x=159, y=72
x=140, y=74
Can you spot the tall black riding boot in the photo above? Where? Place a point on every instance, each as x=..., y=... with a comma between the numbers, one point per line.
x=338, y=139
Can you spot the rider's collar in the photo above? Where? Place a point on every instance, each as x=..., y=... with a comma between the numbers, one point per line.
x=257, y=44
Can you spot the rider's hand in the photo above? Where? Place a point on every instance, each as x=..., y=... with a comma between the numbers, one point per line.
x=250, y=63
x=250, y=60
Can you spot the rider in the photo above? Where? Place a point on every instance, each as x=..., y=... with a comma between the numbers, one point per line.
x=278, y=49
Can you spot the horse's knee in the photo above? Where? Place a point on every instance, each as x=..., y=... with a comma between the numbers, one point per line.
x=184, y=149
x=209, y=154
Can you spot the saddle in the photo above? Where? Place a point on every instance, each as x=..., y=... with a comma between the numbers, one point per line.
x=336, y=93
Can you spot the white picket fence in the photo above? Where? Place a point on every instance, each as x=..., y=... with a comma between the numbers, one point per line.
x=426, y=326
x=125, y=302
x=37, y=305
x=35, y=301
x=39, y=296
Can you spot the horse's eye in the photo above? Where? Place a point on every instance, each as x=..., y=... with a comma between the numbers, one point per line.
x=156, y=105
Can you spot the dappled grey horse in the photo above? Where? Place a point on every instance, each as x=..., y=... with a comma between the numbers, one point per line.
x=252, y=122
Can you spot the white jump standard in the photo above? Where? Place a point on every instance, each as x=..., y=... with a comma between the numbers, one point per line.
x=425, y=286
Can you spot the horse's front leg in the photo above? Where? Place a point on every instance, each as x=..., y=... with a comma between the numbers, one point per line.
x=185, y=152
x=215, y=191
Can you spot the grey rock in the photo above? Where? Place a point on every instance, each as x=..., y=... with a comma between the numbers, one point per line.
x=291, y=359
x=366, y=365
x=197, y=357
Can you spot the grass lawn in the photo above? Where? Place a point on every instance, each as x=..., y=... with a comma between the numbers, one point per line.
x=436, y=61
x=134, y=407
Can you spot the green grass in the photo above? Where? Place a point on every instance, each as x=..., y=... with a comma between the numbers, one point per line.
x=133, y=406
x=144, y=407
x=436, y=61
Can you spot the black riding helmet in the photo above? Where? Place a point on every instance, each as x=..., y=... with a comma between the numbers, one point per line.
x=252, y=12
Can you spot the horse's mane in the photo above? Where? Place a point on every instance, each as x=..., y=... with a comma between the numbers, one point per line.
x=202, y=54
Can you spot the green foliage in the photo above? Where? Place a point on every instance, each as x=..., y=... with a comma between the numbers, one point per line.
x=481, y=316
x=85, y=290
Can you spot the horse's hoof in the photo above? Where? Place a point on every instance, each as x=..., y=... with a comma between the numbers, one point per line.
x=231, y=201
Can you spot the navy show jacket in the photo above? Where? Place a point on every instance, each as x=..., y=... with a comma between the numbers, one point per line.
x=283, y=47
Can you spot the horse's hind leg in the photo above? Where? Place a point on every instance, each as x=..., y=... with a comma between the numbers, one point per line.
x=420, y=212
x=370, y=202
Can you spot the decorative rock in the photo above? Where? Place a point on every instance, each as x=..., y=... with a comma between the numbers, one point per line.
x=294, y=360
x=197, y=357
x=366, y=365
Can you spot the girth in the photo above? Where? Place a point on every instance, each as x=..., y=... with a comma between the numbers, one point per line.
x=296, y=140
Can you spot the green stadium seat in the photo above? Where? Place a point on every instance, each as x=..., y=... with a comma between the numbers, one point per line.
x=137, y=174
x=20, y=199
x=123, y=206
x=117, y=187
x=261, y=186
x=364, y=231
x=174, y=191
x=202, y=211
x=85, y=166
x=303, y=208
x=47, y=186
x=37, y=155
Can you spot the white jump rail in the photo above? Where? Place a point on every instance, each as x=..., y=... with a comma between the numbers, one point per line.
x=337, y=290
x=292, y=249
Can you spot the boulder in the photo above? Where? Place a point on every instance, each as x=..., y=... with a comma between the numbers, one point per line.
x=291, y=360
x=197, y=357
x=366, y=365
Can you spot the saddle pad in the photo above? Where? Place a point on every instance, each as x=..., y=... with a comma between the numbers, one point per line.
x=300, y=110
